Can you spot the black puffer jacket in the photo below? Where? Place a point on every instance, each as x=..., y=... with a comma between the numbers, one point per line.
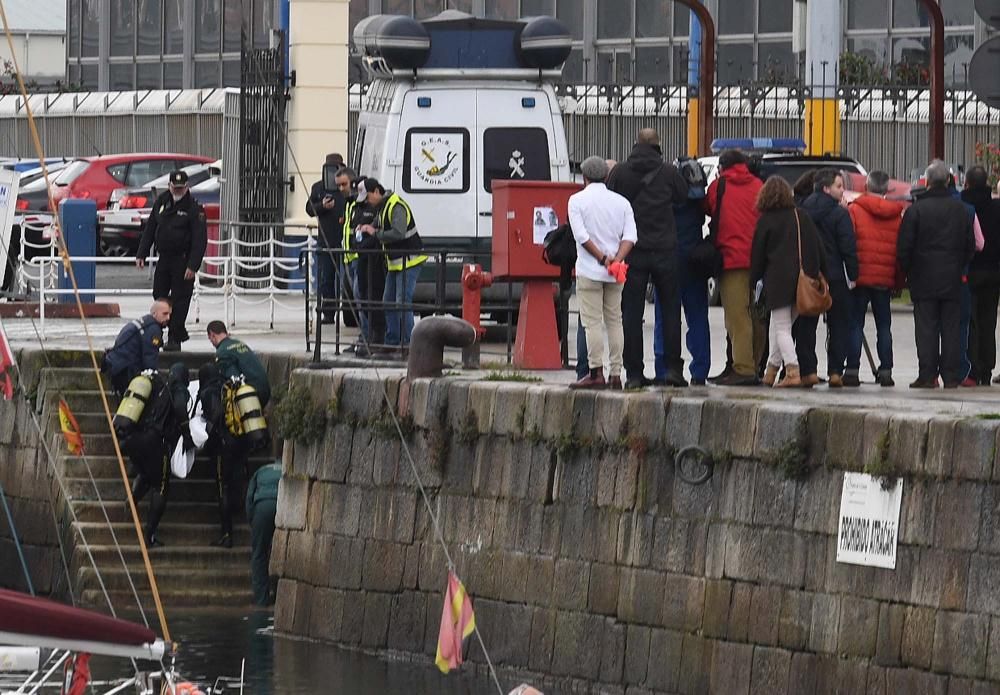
x=936, y=242
x=775, y=255
x=652, y=204
x=837, y=232
x=988, y=212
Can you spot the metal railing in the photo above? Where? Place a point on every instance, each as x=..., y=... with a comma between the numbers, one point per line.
x=253, y=266
x=438, y=293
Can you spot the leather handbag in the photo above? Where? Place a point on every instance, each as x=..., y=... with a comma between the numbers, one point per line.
x=812, y=295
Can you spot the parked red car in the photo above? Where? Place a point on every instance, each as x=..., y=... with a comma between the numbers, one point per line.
x=94, y=178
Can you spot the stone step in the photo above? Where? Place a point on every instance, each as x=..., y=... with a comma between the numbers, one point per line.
x=175, y=530
x=191, y=512
x=90, y=423
x=168, y=579
x=124, y=601
x=70, y=379
x=186, y=557
x=112, y=490
x=80, y=402
x=106, y=466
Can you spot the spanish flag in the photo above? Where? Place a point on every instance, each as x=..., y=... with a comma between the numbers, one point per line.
x=70, y=428
x=457, y=623
x=6, y=364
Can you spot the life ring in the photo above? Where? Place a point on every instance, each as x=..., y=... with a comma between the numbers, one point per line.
x=187, y=689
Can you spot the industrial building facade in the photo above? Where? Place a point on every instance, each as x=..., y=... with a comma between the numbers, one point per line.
x=149, y=44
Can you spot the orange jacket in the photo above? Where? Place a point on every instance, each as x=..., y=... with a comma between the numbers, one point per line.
x=876, y=227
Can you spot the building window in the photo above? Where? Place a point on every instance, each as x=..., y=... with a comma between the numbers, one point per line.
x=122, y=27
x=460, y=5
x=422, y=9
x=88, y=76
x=652, y=19
x=867, y=14
x=501, y=9
x=538, y=8
x=614, y=19
x=776, y=62
x=958, y=52
x=775, y=16
x=73, y=30
x=148, y=27
x=207, y=26
x=263, y=22
x=736, y=17
x=573, y=70
x=206, y=74
x=231, y=73
x=735, y=63
x=91, y=28
x=148, y=75
x=397, y=7
x=173, y=27
x=652, y=65
x=121, y=77
x=232, y=26
x=173, y=75
x=570, y=12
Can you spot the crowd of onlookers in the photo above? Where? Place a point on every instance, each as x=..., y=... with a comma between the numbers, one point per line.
x=767, y=239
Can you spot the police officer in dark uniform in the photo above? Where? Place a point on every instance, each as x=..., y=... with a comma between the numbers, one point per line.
x=177, y=227
x=369, y=270
x=327, y=204
x=136, y=346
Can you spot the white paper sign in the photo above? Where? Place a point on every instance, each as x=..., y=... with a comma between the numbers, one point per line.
x=543, y=221
x=868, y=529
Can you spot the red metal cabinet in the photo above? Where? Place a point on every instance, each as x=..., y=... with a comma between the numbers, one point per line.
x=516, y=255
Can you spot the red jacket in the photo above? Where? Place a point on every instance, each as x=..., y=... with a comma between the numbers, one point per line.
x=876, y=227
x=739, y=215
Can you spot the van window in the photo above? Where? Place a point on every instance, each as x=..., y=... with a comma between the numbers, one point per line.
x=359, y=148
x=436, y=160
x=515, y=154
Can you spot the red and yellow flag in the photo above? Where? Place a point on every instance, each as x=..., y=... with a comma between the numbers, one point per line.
x=70, y=428
x=457, y=622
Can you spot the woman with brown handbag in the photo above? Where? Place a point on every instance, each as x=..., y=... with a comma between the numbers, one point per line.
x=788, y=256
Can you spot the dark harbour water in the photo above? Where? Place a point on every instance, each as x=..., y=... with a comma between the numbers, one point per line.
x=214, y=643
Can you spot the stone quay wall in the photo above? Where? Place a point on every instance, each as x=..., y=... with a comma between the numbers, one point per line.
x=592, y=564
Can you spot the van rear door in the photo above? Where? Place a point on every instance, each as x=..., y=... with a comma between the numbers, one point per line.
x=515, y=129
x=436, y=149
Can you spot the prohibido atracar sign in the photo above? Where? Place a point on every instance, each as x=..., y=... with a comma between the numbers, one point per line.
x=869, y=521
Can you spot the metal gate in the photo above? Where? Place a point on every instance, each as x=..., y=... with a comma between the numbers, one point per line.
x=263, y=95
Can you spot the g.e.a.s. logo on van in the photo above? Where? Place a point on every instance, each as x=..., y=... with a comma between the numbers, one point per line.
x=436, y=161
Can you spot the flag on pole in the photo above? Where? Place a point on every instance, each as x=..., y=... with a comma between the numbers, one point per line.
x=6, y=364
x=457, y=622
x=70, y=428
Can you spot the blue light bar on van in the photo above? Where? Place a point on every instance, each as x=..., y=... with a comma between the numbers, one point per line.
x=528, y=102
x=423, y=102
x=759, y=144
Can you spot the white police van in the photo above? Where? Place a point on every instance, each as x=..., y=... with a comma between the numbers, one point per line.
x=456, y=103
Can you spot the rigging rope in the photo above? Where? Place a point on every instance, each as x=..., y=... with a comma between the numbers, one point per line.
x=390, y=407
x=68, y=266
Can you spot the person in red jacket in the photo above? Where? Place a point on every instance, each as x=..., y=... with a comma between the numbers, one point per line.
x=732, y=201
x=876, y=228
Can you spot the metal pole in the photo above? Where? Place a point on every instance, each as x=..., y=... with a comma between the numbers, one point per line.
x=937, y=79
x=706, y=94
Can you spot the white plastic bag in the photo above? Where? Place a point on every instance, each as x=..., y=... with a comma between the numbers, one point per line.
x=181, y=461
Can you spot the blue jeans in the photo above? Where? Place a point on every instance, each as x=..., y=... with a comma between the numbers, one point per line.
x=400, y=286
x=963, y=330
x=694, y=300
x=880, y=303
x=326, y=280
x=352, y=269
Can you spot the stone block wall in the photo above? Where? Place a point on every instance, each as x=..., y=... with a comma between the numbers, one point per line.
x=592, y=563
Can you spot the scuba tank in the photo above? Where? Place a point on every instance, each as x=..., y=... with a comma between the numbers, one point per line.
x=134, y=401
x=250, y=413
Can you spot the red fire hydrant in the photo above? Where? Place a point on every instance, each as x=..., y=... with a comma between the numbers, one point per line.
x=473, y=282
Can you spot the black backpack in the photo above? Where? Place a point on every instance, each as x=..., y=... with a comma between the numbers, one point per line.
x=560, y=247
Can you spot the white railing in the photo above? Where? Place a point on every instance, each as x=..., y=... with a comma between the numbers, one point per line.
x=247, y=274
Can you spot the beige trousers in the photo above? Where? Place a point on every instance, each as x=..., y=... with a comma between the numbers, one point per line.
x=600, y=311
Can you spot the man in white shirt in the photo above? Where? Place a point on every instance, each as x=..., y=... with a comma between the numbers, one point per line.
x=605, y=232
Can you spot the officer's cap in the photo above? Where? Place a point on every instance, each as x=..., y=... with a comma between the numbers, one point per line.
x=178, y=178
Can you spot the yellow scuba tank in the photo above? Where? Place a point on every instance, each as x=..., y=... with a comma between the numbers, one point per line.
x=134, y=401
x=251, y=416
